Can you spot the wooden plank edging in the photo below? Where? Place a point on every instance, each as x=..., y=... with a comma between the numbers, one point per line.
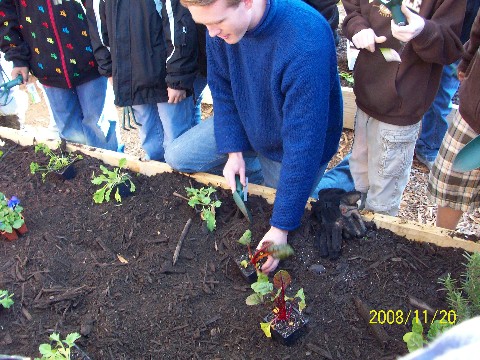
x=410, y=229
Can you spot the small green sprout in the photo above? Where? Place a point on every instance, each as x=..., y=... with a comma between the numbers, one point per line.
x=112, y=179
x=201, y=197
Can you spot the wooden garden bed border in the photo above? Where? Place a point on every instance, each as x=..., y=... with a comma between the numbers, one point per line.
x=410, y=229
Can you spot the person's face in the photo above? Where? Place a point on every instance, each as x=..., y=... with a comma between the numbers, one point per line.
x=229, y=23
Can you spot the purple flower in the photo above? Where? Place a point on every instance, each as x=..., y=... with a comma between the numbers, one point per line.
x=13, y=202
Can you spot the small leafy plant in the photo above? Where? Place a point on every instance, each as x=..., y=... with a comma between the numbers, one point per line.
x=274, y=294
x=6, y=299
x=465, y=299
x=201, y=197
x=57, y=162
x=112, y=179
x=60, y=350
x=278, y=251
x=10, y=214
x=415, y=338
x=348, y=77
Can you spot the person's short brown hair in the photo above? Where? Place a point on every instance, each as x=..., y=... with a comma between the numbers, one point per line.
x=188, y=3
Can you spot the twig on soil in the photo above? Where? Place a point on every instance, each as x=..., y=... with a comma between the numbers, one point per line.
x=414, y=257
x=180, y=241
x=180, y=196
x=376, y=263
x=319, y=351
x=26, y=313
x=377, y=330
x=420, y=304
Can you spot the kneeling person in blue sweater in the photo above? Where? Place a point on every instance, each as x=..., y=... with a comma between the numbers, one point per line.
x=272, y=71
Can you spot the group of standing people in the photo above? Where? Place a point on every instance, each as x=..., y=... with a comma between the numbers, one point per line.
x=272, y=69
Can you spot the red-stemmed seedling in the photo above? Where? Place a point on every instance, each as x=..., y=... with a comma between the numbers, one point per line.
x=284, y=308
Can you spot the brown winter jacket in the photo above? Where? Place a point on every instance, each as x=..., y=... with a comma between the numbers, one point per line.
x=400, y=93
x=469, y=93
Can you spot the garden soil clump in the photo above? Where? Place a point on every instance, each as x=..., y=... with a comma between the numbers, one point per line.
x=106, y=271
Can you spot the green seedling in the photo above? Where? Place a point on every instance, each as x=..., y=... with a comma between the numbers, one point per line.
x=112, y=179
x=6, y=299
x=201, y=198
x=60, y=349
x=266, y=292
x=268, y=249
x=57, y=161
x=348, y=77
x=465, y=299
x=415, y=338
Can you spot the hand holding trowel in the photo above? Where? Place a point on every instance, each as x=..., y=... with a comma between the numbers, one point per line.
x=240, y=196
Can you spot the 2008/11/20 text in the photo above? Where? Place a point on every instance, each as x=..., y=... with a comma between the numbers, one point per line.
x=400, y=317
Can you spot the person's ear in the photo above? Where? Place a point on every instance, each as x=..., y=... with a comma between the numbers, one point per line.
x=248, y=4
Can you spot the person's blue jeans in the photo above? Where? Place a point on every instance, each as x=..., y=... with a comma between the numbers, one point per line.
x=337, y=177
x=198, y=86
x=77, y=111
x=196, y=151
x=161, y=124
x=434, y=122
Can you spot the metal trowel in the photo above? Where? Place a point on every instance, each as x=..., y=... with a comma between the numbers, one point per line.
x=468, y=158
x=240, y=196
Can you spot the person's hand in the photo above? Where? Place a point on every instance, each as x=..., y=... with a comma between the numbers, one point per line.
x=277, y=237
x=234, y=165
x=366, y=39
x=338, y=214
x=20, y=70
x=460, y=75
x=175, y=96
x=407, y=32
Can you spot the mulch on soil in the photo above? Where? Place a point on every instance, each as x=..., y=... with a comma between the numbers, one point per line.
x=67, y=275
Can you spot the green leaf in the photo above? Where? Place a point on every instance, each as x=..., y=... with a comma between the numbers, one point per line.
x=244, y=263
x=45, y=349
x=117, y=196
x=17, y=224
x=254, y=299
x=246, y=238
x=301, y=304
x=281, y=251
x=98, y=180
x=266, y=329
x=262, y=288
x=209, y=218
x=437, y=328
x=99, y=195
x=413, y=340
x=108, y=191
x=122, y=163
x=71, y=338
x=55, y=337
x=132, y=186
x=417, y=326
x=261, y=277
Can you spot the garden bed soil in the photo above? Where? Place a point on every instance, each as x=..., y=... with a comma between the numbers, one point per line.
x=106, y=271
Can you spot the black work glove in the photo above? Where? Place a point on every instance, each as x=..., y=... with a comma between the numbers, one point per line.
x=337, y=212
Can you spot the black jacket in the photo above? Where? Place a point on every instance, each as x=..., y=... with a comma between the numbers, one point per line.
x=329, y=10
x=132, y=41
x=52, y=40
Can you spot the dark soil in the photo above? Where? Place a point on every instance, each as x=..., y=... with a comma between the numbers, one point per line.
x=69, y=274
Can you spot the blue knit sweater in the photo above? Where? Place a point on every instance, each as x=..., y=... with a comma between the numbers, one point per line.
x=277, y=92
